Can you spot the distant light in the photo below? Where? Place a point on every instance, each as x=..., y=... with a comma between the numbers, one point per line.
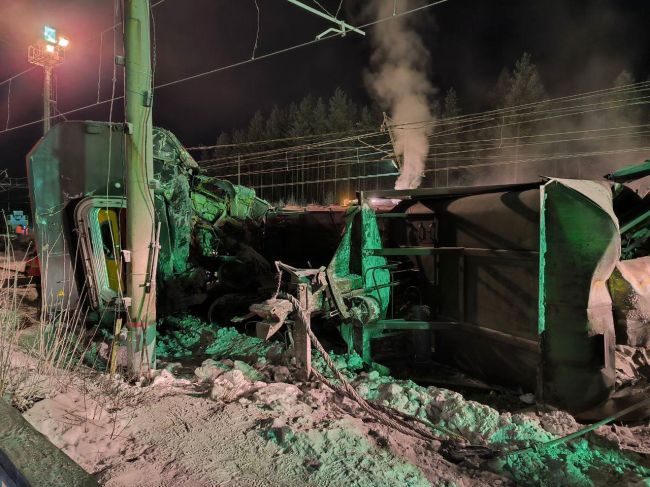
x=64, y=42
x=49, y=48
x=49, y=34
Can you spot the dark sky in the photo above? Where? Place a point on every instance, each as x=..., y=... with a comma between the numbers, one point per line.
x=578, y=45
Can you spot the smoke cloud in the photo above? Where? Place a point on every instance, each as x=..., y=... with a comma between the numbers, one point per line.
x=398, y=77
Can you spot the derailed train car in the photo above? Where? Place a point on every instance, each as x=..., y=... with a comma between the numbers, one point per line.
x=512, y=284
x=207, y=228
x=519, y=276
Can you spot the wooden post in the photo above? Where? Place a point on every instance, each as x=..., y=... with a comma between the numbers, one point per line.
x=301, y=340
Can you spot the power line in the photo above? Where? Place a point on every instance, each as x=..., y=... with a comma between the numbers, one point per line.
x=8, y=80
x=297, y=46
x=260, y=157
x=466, y=166
x=290, y=49
x=476, y=117
x=438, y=156
x=223, y=68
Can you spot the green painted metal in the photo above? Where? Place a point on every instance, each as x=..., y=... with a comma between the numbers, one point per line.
x=541, y=317
x=642, y=219
x=409, y=325
x=78, y=160
x=412, y=251
x=395, y=215
x=581, y=246
x=424, y=251
x=74, y=160
x=375, y=275
x=355, y=273
x=630, y=173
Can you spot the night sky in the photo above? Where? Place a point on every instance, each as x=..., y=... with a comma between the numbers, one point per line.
x=578, y=46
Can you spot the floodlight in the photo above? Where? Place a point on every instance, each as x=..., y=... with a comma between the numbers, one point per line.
x=49, y=34
x=64, y=42
x=50, y=48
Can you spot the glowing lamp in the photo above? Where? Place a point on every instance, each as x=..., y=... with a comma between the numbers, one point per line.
x=49, y=48
x=64, y=42
x=49, y=34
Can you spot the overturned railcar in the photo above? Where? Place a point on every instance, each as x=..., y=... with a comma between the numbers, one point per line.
x=509, y=283
x=515, y=278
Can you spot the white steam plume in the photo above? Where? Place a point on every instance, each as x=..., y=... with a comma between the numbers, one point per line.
x=398, y=77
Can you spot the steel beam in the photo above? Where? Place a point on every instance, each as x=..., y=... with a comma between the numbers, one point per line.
x=476, y=252
x=343, y=26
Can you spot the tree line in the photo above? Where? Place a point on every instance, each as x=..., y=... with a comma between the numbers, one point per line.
x=464, y=150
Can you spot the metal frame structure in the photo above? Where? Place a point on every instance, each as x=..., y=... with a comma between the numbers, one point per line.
x=48, y=56
x=342, y=27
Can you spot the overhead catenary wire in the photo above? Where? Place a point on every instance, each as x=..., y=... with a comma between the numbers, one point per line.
x=473, y=164
x=458, y=131
x=99, y=69
x=296, y=46
x=510, y=111
x=18, y=75
x=466, y=166
x=439, y=155
x=257, y=33
x=263, y=155
x=237, y=64
x=68, y=112
x=639, y=86
x=8, y=104
x=280, y=51
x=223, y=68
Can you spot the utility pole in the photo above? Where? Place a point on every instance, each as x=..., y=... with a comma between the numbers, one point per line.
x=140, y=210
x=48, y=53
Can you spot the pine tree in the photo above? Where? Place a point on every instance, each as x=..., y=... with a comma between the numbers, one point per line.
x=521, y=87
x=319, y=120
x=450, y=107
x=339, y=119
x=301, y=118
x=526, y=85
x=514, y=90
x=276, y=125
x=219, y=150
x=623, y=107
x=624, y=78
x=256, y=128
x=239, y=138
x=501, y=88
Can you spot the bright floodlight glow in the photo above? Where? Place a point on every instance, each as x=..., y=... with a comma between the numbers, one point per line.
x=63, y=42
x=49, y=34
x=49, y=48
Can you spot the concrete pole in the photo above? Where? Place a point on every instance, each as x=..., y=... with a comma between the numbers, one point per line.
x=47, y=98
x=140, y=211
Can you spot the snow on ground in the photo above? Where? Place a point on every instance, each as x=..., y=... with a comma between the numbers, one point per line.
x=243, y=420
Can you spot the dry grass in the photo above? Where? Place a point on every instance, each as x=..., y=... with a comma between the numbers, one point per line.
x=37, y=357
